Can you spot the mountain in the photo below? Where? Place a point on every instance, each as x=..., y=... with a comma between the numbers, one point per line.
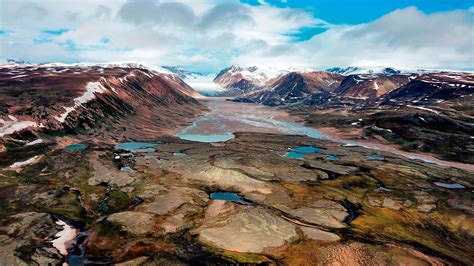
x=369, y=86
x=18, y=62
x=295, y=87
x=182, y=72
x=433, y=87
x=363, y=70
x=118, y=100
x=330, y=89
x=238, y=80
x=351, y=70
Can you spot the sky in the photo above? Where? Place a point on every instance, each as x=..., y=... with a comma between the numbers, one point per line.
x=208, y=35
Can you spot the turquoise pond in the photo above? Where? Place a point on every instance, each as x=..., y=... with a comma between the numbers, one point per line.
x=74, y=147
x=295, y=155
x=136, y=146
x=207, y=138
x=307, y=149
x=448, y=185
x=376, y=157
x=302, y=151
x=229, y=196
x=179, y=154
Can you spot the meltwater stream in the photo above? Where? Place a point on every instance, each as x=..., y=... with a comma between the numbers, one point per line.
x=227, y=117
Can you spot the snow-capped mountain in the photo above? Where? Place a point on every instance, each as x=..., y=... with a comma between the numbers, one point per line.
x=183, y=73
x=363, y=70
x=239, y=80
x=294, y=87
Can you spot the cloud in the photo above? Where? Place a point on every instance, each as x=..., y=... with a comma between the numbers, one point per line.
x=149, y=12
x=226, y=16
x=403, y=38
x=208, y=35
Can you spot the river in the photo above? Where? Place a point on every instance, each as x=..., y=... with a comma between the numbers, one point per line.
x=226, y=117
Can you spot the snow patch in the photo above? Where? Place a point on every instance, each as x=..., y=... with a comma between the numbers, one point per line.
x=64, y=237
x=14, y=125
x=24, y=163
x=34, y=142
x=424, y=108
x=376, y=86
x=92, y=88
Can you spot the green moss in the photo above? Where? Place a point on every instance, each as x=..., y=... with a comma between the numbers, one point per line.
x=239, y=257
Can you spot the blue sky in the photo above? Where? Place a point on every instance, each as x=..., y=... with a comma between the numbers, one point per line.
x=207, y=35
x=360, y=11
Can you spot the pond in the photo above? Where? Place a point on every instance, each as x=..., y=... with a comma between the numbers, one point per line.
x=179, y=154
x=449, y=185
x=136, y=146
x=229, y=196
x=207, y=138
x=295, y=155
x=75, y=147
x=307, y=149
x=376, y=157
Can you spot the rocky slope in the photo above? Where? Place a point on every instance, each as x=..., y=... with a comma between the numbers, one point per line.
x=106, y=100
x=433, y=87
x=367, y=86
x=329, y=89
x=428, y=112
x=364, y=207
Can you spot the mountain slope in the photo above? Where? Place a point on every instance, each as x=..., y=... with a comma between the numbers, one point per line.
x=432, y=87
x=105, y=100
x=295, y=87
x=370, y=86
x=238, y=80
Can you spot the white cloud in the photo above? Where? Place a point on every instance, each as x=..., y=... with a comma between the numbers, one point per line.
x=208, y=35
x=403, y=38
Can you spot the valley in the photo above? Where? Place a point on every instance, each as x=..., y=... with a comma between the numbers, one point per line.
x=146, y=171
x=236, y=132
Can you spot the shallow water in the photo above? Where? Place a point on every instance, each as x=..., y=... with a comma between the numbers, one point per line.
x=229, y=196
x=136, y=146
x=376, y=157
x=331, y=157
x=74, y=147
x=207, y=138
x=226, y=118
x=179, y=154
x=448, y=185
x=307, y=149
x=295, y=155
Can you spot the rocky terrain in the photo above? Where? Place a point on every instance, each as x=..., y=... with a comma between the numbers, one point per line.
x=102, y=100
x=334, y=204
x=418, y=111
x=79, y=185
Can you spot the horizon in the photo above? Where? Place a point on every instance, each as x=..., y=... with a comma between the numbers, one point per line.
x=207, y=36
